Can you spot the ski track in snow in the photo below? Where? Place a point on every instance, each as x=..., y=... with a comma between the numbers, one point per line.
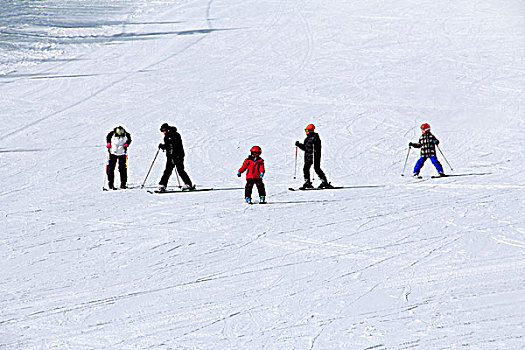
x=388, y=262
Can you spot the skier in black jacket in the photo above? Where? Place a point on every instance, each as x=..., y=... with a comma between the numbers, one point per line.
x=312, y=155
x=174, y=157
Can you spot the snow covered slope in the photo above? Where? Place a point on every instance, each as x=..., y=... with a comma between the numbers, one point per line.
x=387, y=263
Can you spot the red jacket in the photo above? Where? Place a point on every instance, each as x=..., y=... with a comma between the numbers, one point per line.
x=253, y=167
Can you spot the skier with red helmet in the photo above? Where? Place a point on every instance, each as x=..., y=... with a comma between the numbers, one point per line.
x=427, y=143
x=312, y=155
x=254, y=167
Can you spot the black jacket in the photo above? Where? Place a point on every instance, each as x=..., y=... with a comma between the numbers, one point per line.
x=172, y=143
x=311, y=146
x=427, y=143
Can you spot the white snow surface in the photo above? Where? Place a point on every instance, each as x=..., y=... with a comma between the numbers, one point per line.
x=389, y=262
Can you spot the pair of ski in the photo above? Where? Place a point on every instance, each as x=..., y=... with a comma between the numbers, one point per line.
x=315, y=188
x=180, y=191
x=252, y=203
x=433, y=176
x=120, y=188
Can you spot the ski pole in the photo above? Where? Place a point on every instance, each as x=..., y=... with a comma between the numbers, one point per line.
x=151, y=166
x=313, y=160
x=295, y=166
x=178, y=179
x=445, y=158
x=406, y=160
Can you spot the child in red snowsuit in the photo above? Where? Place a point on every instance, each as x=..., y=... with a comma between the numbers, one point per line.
x=254, y=167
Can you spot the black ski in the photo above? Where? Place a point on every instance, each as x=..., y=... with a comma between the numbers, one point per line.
x=180, y=191
x=456, y=175
x=133, y=187
x=316, y=188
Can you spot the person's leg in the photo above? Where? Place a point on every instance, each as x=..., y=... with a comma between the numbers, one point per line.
x=318, y=170
x=260, y=188
x=179, y=163
x=437, y=164
x=306, y=169
x=167, y=172
x=123, y=170
x=248, y=188
x=112, y=162
x=419, y=165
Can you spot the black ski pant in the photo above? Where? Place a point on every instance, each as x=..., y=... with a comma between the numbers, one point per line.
x=249, y=187
x=171, y=163
x=122, y=169
x=317, y=167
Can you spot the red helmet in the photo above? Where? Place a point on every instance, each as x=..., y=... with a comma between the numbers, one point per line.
x=309, y=128
x=256, y=149
x=425, y=127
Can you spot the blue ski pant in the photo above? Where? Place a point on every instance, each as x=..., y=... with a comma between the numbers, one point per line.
x=422, y=160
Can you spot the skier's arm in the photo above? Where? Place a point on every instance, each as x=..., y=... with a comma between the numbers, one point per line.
x=244, y=166
x=128, y=136
x=300, y=145
x=414, y=144
x=162, y=145
x=434, y=140
x=261, y=169
x=108, y=140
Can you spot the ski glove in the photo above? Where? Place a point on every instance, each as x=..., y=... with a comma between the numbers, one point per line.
x=297, y=143
x=262, y=174
x=436, y=142
x=410, y=144
x=108, y=145
x=162, y=146
x=126, y=145
x=238, y=174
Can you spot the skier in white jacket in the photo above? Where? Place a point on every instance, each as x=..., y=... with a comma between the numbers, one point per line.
x=117, y=143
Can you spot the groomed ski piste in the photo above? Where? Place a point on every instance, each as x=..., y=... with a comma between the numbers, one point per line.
x=387, y=262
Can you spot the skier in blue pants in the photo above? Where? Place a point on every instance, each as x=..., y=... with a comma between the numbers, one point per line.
x=427, y=143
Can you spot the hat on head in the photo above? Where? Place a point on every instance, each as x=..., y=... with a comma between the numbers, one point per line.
x=119, y=130
x=309, y=128
x=425, y=127
x=256, y=149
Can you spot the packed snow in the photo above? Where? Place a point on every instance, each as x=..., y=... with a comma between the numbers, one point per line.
x=387, y=262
